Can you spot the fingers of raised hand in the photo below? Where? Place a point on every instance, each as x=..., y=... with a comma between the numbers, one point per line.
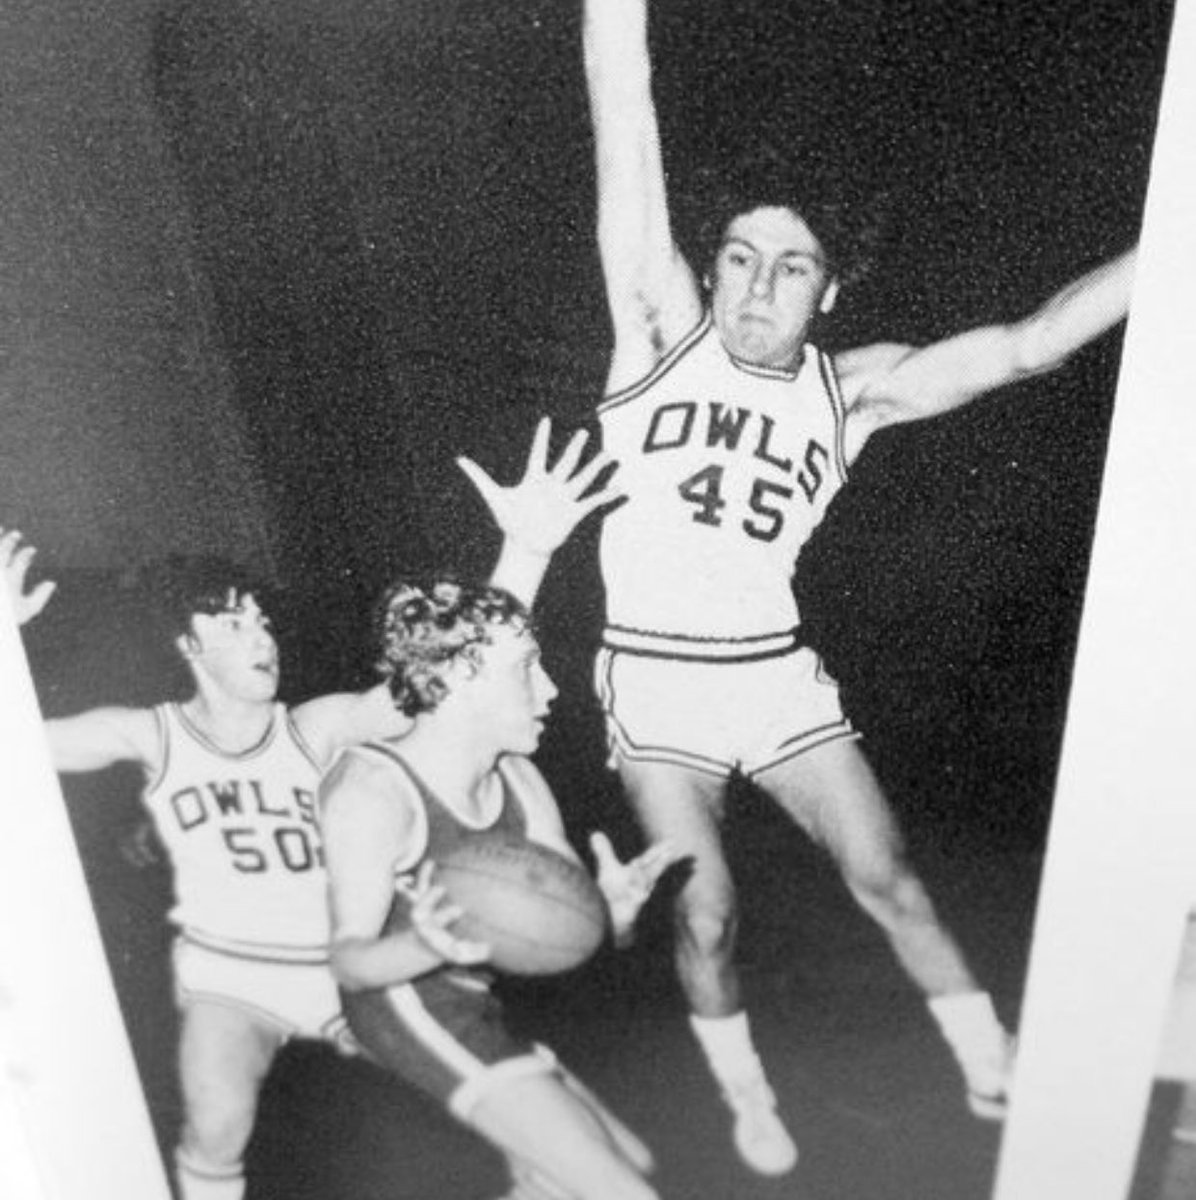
x=19, y=560
x=566, y=466
x=480, y=478
x=10, y=539
x=537, y=456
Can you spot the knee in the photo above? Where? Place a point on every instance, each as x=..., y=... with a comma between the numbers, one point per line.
x=620, y=1184
x=707, y=928
x=216, y=1134
x=893, y=895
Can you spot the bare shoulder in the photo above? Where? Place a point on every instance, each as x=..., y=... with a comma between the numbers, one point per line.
x=861, y=371
x=332, y=722
x=363, y=797
x=140, y=729
x=865, y=378
x=359, y=778
x=651, y=314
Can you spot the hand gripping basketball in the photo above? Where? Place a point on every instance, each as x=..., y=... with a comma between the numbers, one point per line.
x=432, y=915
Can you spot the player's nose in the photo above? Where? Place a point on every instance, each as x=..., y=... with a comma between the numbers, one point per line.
x=761, y=282
x=548, y=689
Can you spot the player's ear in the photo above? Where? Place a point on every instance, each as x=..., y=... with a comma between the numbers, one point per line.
x=829, y=296
x=187, y=645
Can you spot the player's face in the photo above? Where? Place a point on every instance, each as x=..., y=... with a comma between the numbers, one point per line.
x=512, y=692
x=234, y=651
x=770, y=280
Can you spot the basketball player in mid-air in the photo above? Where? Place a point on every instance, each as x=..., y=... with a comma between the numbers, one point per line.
x=231, y=780
x=463, y=664
x=734, y=433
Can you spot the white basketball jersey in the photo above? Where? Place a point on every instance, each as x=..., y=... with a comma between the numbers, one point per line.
x=241, y=831
x=728, y=468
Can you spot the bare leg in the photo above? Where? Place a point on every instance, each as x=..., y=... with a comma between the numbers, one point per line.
x=685, y=808
x=553, y=1137
x=530, y=1184
x=832, y=793
x=224, y=1055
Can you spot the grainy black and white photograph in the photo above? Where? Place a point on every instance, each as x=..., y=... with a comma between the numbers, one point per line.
x=557, y=557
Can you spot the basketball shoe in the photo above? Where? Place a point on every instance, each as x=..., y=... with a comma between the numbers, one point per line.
x=760, y=1136
x=983, y=1049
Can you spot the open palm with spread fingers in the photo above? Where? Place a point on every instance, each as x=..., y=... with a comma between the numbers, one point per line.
x=15, y=560
x=546, y=505
x=627, y=885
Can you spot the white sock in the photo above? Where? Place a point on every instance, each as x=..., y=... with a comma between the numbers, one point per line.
x=727, y=1045
x=967, y=1019
x=198, y=1180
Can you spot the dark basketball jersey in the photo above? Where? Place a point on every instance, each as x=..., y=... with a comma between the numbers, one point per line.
x=441, y=830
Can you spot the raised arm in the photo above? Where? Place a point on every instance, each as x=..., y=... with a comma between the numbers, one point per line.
x=100, y=737
x=651, y=291
x=885, y=385
x=15, y=560
x=537, y=514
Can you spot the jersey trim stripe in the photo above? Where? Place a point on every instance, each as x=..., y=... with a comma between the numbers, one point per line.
x=661, y=369
x=237, y=756
x=827, y=369
x=810, y=740
x=762, y=371
x=423, y=1025
x=670, y=360
x=155, y=776
x=655, y=644
x=256, y=951
x=302, y=742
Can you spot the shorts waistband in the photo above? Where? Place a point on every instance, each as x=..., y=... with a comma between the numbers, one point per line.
x=255, y=951
x=688, y=648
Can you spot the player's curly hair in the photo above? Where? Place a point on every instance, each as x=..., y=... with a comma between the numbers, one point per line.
x=420, y=628
x=849, y=225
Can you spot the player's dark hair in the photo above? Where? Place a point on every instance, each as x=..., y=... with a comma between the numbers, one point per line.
x=849, y=226
x=420, y=628
x=181, y=587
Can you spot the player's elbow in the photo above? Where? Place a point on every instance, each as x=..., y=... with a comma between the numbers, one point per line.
x=345, y=960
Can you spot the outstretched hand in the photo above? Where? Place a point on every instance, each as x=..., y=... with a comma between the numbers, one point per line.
x=14, y=565
x=627, y=885
x=433, y=915
x=546, y=505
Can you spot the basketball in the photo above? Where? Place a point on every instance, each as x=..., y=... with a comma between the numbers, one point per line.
x=539, y=913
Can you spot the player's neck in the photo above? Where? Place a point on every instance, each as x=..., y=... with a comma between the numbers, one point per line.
x=453, y=764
